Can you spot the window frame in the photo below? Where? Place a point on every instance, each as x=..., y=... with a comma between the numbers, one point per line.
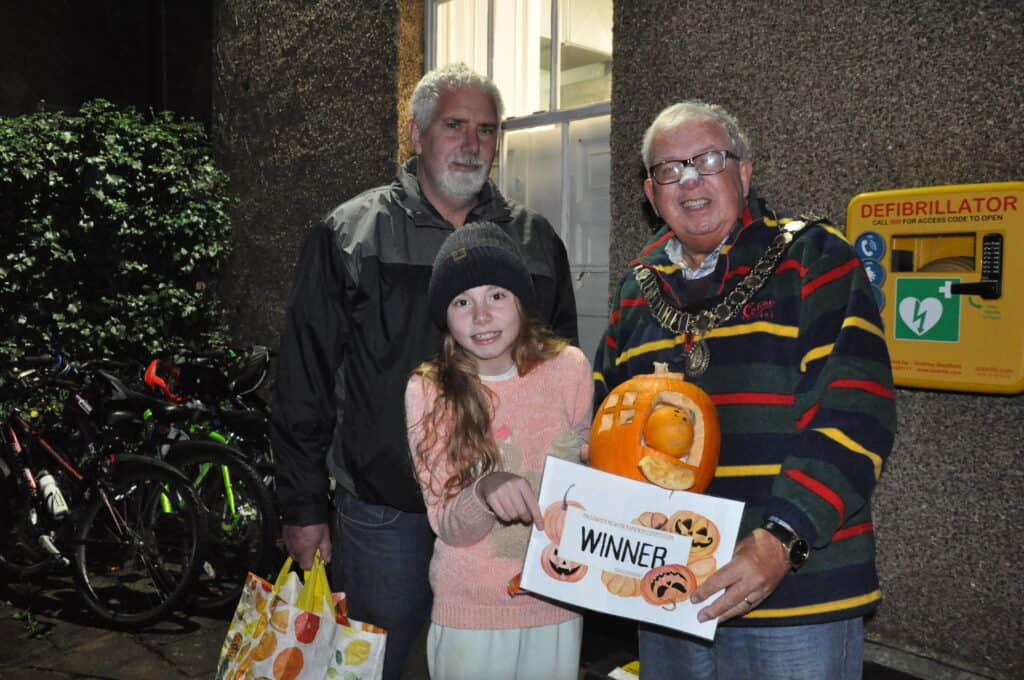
x=564, y=119
x=553, y=116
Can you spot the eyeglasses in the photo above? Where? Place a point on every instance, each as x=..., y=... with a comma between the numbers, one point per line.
x=707, y=163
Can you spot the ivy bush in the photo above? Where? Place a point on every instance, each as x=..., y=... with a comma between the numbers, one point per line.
x=114, y=226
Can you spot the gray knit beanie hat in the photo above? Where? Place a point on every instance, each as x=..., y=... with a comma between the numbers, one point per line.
x=478, y=254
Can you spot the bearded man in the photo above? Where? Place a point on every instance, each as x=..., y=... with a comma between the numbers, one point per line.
x=358, y=322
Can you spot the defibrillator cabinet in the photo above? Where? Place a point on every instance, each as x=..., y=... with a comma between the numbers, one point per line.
x=946, y=265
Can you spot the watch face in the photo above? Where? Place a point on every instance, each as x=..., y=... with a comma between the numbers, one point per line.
x=798, y=552
x=797, y=547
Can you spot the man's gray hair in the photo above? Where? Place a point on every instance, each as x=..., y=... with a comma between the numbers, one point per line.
x=692, y=111
x=451, y=77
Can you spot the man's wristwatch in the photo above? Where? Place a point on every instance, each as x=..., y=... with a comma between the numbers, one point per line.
x=796, y=547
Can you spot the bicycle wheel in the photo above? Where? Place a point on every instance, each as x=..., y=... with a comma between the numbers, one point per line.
x=140, y=543
x=241, y=516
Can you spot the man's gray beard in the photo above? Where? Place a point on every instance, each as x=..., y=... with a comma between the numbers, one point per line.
x=463, y=185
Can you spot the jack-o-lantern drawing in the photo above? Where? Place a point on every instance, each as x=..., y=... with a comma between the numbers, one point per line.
x=558, y=568
x=652, y=520
x=554, y=516
x=657, y=428
x=668, y=584
x=620, y=584
x=702, y=568
x=702, y=532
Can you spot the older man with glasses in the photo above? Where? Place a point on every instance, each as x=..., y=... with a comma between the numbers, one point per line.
x=774, y=318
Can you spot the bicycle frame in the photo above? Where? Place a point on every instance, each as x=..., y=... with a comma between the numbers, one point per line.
x=22, y=438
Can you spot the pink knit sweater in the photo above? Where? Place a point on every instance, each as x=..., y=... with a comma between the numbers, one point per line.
x=544, y=412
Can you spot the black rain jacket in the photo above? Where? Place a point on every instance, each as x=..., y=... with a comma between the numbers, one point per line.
x=355, y=327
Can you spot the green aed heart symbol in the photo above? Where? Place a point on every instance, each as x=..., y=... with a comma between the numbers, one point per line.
x=920, y=315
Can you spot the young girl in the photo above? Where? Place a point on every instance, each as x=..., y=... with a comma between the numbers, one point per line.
x=482, y=418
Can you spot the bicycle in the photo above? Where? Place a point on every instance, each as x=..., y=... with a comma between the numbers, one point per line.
x=240, y=508
x=130, y=529
x=222, y=389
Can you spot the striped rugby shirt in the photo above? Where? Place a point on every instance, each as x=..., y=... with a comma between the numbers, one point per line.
x=803, y=386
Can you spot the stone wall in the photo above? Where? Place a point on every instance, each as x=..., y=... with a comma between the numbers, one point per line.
x=305, y=116
x=839, y=99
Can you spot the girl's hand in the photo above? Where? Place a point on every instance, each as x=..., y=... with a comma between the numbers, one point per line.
x=510, y=497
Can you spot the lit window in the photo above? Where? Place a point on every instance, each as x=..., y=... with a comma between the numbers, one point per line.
x=555, y=156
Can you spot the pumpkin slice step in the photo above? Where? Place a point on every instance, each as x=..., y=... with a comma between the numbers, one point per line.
x=661, y=470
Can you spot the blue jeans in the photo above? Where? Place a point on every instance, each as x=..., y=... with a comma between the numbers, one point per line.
x=832, y=651
x=382, y=556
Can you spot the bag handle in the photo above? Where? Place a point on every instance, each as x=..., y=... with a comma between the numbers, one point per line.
x=315, y=596
x=282, y=575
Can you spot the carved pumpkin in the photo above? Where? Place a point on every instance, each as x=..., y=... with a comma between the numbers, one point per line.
x=702, y=532
x=667, y=585
x=558, y=568
x=669, y=429
x=657, y=428
x=554, y=516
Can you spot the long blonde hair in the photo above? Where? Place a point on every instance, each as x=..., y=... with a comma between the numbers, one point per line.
x=465, y=406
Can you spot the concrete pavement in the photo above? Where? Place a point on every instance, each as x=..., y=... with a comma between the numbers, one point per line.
x=45, y=634
x=48, y=635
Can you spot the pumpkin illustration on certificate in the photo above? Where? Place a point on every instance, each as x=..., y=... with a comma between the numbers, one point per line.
x=625, y=547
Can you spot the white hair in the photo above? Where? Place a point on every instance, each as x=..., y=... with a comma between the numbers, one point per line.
x=449, y=78
x=693, y=110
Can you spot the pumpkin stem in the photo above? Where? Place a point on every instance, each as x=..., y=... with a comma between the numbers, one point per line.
x=670, y=609
x=565, y=498
x=661, y=369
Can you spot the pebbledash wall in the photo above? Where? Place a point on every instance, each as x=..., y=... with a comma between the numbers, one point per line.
x=306, y=114
x=839, y=98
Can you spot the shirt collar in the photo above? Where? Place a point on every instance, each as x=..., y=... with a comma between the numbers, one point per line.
x=675, y=250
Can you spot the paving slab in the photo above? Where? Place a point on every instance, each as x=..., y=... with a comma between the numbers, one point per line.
x=193, y=652
x=24, y=643
x=117, y=657
x=71, y=646
x=49, y=647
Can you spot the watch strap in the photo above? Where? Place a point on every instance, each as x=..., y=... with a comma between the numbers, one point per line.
x=797, y=549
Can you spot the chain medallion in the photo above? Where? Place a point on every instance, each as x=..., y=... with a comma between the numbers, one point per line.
x=697, y=325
